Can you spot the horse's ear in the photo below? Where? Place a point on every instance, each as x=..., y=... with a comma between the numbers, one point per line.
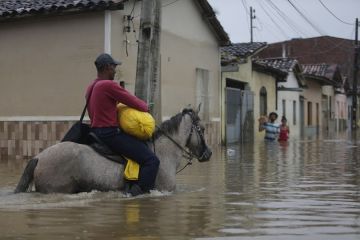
x=187, y=109
x=198, y=109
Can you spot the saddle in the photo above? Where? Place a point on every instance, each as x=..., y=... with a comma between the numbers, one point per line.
x=101, y=148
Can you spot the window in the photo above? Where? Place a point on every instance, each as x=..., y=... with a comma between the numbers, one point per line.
x=202, y=92
x=309, y=114
x=294, y=112
x=263, y=102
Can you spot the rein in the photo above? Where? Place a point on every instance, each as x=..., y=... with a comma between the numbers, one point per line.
x=186, y=154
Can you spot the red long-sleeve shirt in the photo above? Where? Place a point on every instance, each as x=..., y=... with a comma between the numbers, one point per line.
x=106, y=94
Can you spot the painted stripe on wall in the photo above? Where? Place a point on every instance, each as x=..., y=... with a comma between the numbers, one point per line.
x=41, y=118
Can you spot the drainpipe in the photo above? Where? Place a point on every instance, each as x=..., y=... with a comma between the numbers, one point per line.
x=107, y=34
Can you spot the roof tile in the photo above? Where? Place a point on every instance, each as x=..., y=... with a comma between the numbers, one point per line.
x=238, y=51
x=283, y=64
x=24, y=7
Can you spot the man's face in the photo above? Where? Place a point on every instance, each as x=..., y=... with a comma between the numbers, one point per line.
x=272, y=117
x=111, y=71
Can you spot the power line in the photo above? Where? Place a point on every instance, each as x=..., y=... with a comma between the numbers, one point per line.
x=333, y=13
x=168, y=4
x=247, y=11
x=277, y=25
x=163, y=6
x=286, y=19
x=306, y=19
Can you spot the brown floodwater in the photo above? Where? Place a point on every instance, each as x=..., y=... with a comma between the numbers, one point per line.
x=304, y=189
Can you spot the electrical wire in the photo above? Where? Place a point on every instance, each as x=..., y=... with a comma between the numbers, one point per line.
x=333, y=13
x=247, y=12
x=286, y=19
x=275, y=23
x=305, y=18
x=168, y=4
x=163, y=6
x=133, y=8
x=332, y=42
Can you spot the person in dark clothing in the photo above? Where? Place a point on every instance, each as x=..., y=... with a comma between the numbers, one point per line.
x=105, y=94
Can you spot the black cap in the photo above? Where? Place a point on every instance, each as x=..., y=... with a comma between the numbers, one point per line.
x=104, y=59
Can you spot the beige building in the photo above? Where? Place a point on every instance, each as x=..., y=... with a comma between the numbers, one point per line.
x=246, y=90
x=331, y=114
x=290, y=84
x=48, y=52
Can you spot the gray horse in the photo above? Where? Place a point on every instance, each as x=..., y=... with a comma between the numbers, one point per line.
x=69, y=167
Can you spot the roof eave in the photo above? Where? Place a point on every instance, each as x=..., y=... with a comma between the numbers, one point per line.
x=280, y=75
x=61, y=11
x=209, y=15
x=321, y=80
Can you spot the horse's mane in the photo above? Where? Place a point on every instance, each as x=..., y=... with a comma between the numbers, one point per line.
x=169, y=127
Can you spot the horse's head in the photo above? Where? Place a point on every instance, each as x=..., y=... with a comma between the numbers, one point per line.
x=195, y=141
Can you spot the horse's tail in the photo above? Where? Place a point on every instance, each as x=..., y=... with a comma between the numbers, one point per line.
x=27, y=177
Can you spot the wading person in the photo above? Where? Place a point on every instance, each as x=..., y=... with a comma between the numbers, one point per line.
x=103, y=95
x=284, y=130
x=272, y=129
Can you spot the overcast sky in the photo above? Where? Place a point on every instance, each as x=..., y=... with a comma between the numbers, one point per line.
x=278, y=20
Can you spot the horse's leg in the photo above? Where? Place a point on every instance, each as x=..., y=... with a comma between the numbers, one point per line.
x=27, y=176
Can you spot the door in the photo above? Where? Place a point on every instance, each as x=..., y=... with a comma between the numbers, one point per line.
x=233, y=96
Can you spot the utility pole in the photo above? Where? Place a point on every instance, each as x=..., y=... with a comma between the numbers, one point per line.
x=252, y=17
x=155, y=80
x=147, y=84
x=355, y=80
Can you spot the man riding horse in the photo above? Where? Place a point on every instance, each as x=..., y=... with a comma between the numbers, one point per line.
x=70, y=167
x=103, y=95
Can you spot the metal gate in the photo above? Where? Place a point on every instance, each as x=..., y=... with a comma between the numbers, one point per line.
x=239, y=115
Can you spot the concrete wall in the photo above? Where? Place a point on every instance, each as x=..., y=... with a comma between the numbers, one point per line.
x=256, y=81
x=242, y=73
x=46, y=64
x=260, y=80
x=290, y=96
x=312, y=94
x=341, y=111
x=187, y=43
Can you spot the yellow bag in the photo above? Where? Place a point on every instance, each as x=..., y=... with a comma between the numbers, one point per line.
x=136, y=123
x=131, y=171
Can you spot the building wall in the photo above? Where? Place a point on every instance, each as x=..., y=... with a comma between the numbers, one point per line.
x=290, y=96
x=242, y=74
x=260, y=80
x=341, y=111
x=293, y=120
x=312, y=94
x=256, y=81
x=46, y=63
x=187, y=43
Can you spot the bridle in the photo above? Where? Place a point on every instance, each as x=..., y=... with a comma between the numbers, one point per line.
x=188, y=155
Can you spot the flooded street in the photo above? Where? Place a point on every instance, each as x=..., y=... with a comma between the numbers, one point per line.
x=304, y=189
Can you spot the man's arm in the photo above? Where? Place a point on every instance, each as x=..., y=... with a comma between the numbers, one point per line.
x=262, y=121
x=123, y=96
